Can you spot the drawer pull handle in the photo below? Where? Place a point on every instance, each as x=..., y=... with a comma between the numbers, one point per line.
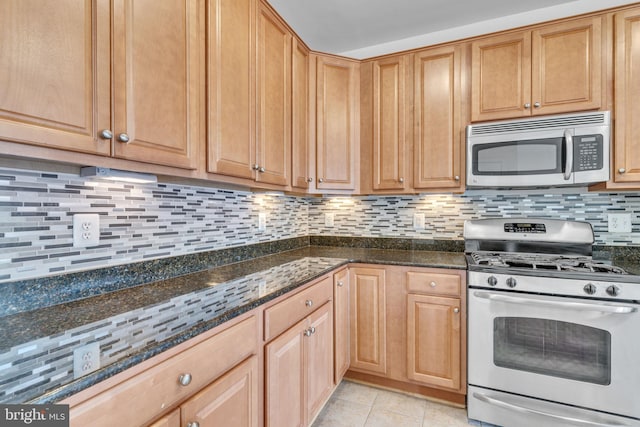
x=340, y=283
x=307, y=332
x=193, y=424
x=433, y=284
x=308, y=303
x=184, y=379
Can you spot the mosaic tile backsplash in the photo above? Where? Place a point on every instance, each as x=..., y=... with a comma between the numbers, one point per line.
x=149, y=221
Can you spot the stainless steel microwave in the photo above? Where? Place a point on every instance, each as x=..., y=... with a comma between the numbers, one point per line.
x=562, y=150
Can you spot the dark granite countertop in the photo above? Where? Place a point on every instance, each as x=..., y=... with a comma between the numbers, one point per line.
x=137, y=323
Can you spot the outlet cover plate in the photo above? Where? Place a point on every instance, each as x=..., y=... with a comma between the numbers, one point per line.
x=329, y=219
x=619, y=223
x=418, y=221
x=86, y=359
x=86, y=230
x=262, y=221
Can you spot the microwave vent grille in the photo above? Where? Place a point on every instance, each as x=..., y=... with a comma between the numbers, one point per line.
x=570, y=121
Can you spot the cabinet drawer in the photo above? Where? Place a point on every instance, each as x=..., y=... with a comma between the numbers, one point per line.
x=142, y=398
x=283, y=315
x=433, y=283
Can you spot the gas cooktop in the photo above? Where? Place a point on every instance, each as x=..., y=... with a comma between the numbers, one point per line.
x=531, y=261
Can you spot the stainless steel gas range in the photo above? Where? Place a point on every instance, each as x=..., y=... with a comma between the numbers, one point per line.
x=554, y=336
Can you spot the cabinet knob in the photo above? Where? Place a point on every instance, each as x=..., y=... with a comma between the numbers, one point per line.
x=340, y=283
x=309, y=179
x=123, y=137
x=457, y=177
x=255, y=167
x=320, y=180
x=261, y=169
x=456, y=310
x=527, y=106
x=433, y=284
x=307, y=332
x=106, y=134
x=193, y=424
x=401, y=180
x=308, y=303
x=313, y=329
x=536, y=105
x=622, y=170
x=184, y=379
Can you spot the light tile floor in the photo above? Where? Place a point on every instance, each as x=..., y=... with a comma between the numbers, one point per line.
x=357, y=405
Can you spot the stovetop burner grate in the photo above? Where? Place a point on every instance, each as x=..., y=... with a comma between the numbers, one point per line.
x=544, y=262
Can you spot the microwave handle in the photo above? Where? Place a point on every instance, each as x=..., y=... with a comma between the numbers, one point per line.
x=568, y=160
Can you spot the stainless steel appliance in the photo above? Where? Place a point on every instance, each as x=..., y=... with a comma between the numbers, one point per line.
x=570, y=149
x=554, y=336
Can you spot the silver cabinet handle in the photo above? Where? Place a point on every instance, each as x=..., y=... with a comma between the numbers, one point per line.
x=527, y=106
x=401, y=180
x=576, y=306
x=308, y=303
x=193, y=424
x=255, y=167
x=433, y=284
x=184, y=379
x=568, y=164
x=309, y=179
x=523, y=409
x=313, y=329
x=340, y=283
x=457, y=177
x=456, y=310
x=261, y=169
x=106, y=134
x=622, y=170
x=536, y=105
x=320, y=180
x=307, y=332
x=123, y=137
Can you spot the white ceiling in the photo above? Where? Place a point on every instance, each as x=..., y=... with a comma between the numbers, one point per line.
x=365, y=28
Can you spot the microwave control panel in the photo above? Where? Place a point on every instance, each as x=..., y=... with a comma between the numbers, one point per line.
x=587, y=152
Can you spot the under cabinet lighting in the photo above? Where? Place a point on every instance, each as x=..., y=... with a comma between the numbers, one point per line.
x=117, y=175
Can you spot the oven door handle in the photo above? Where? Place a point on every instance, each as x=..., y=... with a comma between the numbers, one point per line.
x=571, y=305
x=524, y=410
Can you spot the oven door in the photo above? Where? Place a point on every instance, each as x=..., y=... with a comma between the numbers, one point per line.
x=574, y=351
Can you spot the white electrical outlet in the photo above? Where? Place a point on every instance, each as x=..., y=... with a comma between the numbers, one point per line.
x=418, y=221
x=86, y=230
x=619, y=223
x=262, y=221
x=86, y=359
x=329, y=219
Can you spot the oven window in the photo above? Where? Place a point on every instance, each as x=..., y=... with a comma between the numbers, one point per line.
x=549, y=347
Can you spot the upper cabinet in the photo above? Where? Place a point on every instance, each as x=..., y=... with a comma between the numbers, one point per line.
x=337, y=124
x=555, y=68
x=248, y=92
x=625, y=170
x=300, y=178
x=119, y=79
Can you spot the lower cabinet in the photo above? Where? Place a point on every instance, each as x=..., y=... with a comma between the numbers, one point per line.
x=341, y=292
x=299, y=370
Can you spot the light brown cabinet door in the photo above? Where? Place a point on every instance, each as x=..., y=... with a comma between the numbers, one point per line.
x=341, y=323
x=626, y=163
x=337, y=123
x=300, y=116
x=501, y=77
x=567, y=67
x=157, y=80
x=368, y=320
x=438, y=122
x=433, y=340
x=232, y=400
x=274, y=100
x=319, y=359
x=54, y=63
x=284, y=378
x=231, y=87
x=389, y=121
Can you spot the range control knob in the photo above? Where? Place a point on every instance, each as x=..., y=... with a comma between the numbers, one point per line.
x=492, y=281
x=613, y=290
x=589, y=289
x=511, y=282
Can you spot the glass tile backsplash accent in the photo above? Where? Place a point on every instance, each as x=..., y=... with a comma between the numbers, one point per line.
x=149, y=221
